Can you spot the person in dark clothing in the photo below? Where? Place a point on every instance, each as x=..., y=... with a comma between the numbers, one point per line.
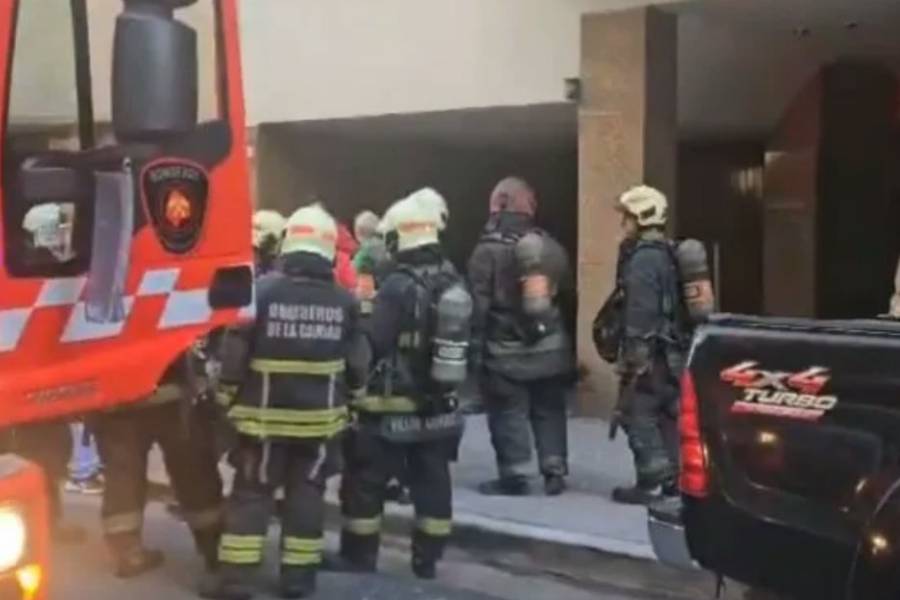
x=172, y=418
x=288, y=376
x=527, y=360
x=651, y=349
x=408, y=420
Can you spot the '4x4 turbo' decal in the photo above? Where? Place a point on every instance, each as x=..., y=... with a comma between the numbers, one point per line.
x=780, y=393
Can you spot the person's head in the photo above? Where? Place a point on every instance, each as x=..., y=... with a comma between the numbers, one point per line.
x=365, y=225
x=50, y=228
x=268, y=230
x=415, y=221
x=513, y=195
x=310, y=230
x=642, y=208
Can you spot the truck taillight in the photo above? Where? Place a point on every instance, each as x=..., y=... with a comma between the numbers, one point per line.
x=694, y=479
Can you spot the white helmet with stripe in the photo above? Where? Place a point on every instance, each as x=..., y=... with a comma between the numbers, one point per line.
x=268, y=227
x=416, y=220
x=311, y=229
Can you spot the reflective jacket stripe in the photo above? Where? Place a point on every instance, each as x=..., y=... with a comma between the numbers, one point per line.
x=298, y=367
x=386, y=404
x=259, y=429
x=288, y=416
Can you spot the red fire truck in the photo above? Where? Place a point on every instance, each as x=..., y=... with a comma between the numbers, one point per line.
x=124, y=217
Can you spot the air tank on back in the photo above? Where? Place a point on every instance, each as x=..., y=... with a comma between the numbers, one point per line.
x=695, y=279
x=534, y=257
x=450, y=350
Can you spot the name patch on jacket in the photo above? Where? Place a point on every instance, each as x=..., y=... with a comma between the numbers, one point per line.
x=305, y=322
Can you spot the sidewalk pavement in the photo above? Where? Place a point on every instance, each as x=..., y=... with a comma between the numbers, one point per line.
x=583, y=518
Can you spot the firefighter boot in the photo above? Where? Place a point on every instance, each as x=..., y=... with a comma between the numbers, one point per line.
x=130, y=556
x=359, y=553
x=298, y=582
x=641, y=494
x=427, y=550
x=207, y=542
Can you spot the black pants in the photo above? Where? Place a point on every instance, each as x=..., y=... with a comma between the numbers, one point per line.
x=650, y=418
x=371, y=461
x=49, y=445
x=124, y=440
x=303, y=469
x=517, y=409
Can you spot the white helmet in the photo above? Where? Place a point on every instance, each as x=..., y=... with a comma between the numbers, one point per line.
x=647, y=205
x=50, y=226
x=267, y=225
x=365, y=225
x=416, y=220
x=311, y=229
x=430, y=199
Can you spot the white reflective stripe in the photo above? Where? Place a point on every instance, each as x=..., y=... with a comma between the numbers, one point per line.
x=79, y=329
x=60, y=292
x=12, y=324
x=158, y=282
x=186, y=308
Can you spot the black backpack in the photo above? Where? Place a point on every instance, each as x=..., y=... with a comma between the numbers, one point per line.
x=608, y=328
x=429, y=284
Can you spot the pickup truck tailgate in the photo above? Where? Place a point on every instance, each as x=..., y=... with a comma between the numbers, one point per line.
x=801, y=426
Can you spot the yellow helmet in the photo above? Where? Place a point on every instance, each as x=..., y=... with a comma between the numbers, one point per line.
x=311, y=229
x=268, y=226
x=647, y=205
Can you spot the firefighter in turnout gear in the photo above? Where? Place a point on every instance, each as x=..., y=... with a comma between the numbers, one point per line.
x=268, y=231
x=651, y=353
x=419, y=333
x=176, y=418
x=520, y=277
x=289, y=375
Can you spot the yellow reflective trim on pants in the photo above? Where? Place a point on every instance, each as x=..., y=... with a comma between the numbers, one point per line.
x=242, y=542
x=298, y=367
x=435, y=527
x=123, y=523
x=304, y=544
x=240, y=557
x=386, y=404
x=363, y=526
x=300, y=559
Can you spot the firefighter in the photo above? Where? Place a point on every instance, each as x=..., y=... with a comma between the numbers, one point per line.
x=288, y=374
x=409, y=421
x=527, y=361
x=268, y=231
x=651, y=349
x=174, y=418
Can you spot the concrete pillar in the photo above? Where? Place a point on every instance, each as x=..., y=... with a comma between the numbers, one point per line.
x=627, y=135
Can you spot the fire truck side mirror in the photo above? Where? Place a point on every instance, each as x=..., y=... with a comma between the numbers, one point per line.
x=154, y=87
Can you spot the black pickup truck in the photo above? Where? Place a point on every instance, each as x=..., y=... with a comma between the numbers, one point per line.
x=790, y=451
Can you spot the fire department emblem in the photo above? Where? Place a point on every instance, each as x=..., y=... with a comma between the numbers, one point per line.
x=175, y=192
